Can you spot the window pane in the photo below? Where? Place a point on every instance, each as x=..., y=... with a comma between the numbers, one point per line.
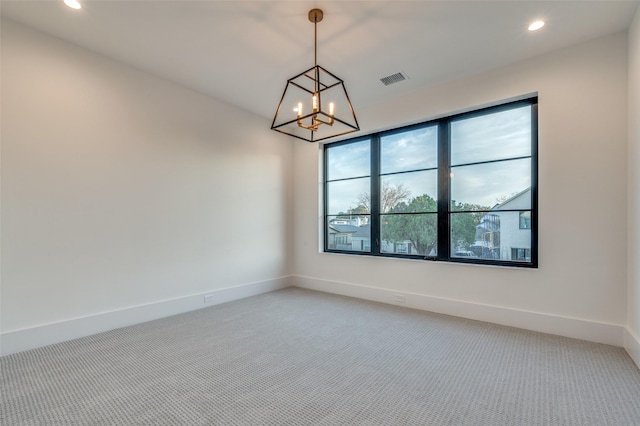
x=415, y=234
x=346, y=196
x=413, y=191
x=503, y=185
x=525, y=220
x=492, y=235
x=464, y=229
x=350, y=160
x=501, y=135
x=349, y=232
x=411, y=150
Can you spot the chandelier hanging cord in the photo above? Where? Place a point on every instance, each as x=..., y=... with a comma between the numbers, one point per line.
x=315, y=16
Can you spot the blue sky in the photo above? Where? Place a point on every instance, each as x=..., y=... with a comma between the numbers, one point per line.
x=483, y=138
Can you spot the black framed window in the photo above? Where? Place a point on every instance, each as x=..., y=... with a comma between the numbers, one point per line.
x=462, y=189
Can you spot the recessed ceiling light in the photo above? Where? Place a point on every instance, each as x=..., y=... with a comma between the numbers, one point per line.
x=535, y=26
x=73, y=4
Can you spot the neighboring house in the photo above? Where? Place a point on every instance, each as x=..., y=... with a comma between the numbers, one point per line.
x=350, y=220
x=350, y=233
x=355, y=234
x=399, y=247
x=361, y=240
x=341, y=236
x=505, y=232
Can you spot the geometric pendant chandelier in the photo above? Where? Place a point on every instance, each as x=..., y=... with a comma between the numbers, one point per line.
x=315, y=105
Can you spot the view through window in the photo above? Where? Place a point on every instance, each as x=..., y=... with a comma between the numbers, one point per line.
x=462, y=189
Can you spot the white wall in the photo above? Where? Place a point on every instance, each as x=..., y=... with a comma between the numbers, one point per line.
x=580, y=287
x=120, y=190
x=632, y=342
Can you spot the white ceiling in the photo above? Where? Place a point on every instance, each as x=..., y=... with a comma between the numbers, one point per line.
x=242, y=52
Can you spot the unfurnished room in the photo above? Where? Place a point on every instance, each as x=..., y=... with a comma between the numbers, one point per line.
x=319, y=212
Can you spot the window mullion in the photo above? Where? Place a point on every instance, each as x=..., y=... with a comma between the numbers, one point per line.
x=444, y=171
x=375, y=195
x=325, y=198
x=534, y=184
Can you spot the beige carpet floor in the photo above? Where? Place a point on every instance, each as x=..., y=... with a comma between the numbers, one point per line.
x=298, y=357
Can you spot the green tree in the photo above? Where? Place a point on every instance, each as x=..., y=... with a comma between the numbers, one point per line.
x=420, y=229
x=463, y=225
x=360, y=210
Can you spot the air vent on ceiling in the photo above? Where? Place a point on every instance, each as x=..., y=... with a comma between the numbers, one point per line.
x=393, y=78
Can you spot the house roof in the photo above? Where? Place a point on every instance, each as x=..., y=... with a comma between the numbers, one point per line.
x=504, y=205
x=344, y=229
x=363, y=231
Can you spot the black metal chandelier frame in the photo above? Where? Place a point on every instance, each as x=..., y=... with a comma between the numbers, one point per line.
x=317, y=117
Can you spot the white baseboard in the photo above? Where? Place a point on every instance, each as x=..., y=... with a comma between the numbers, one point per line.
x=632, y=345
x=47, y=334
x=592, y=331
